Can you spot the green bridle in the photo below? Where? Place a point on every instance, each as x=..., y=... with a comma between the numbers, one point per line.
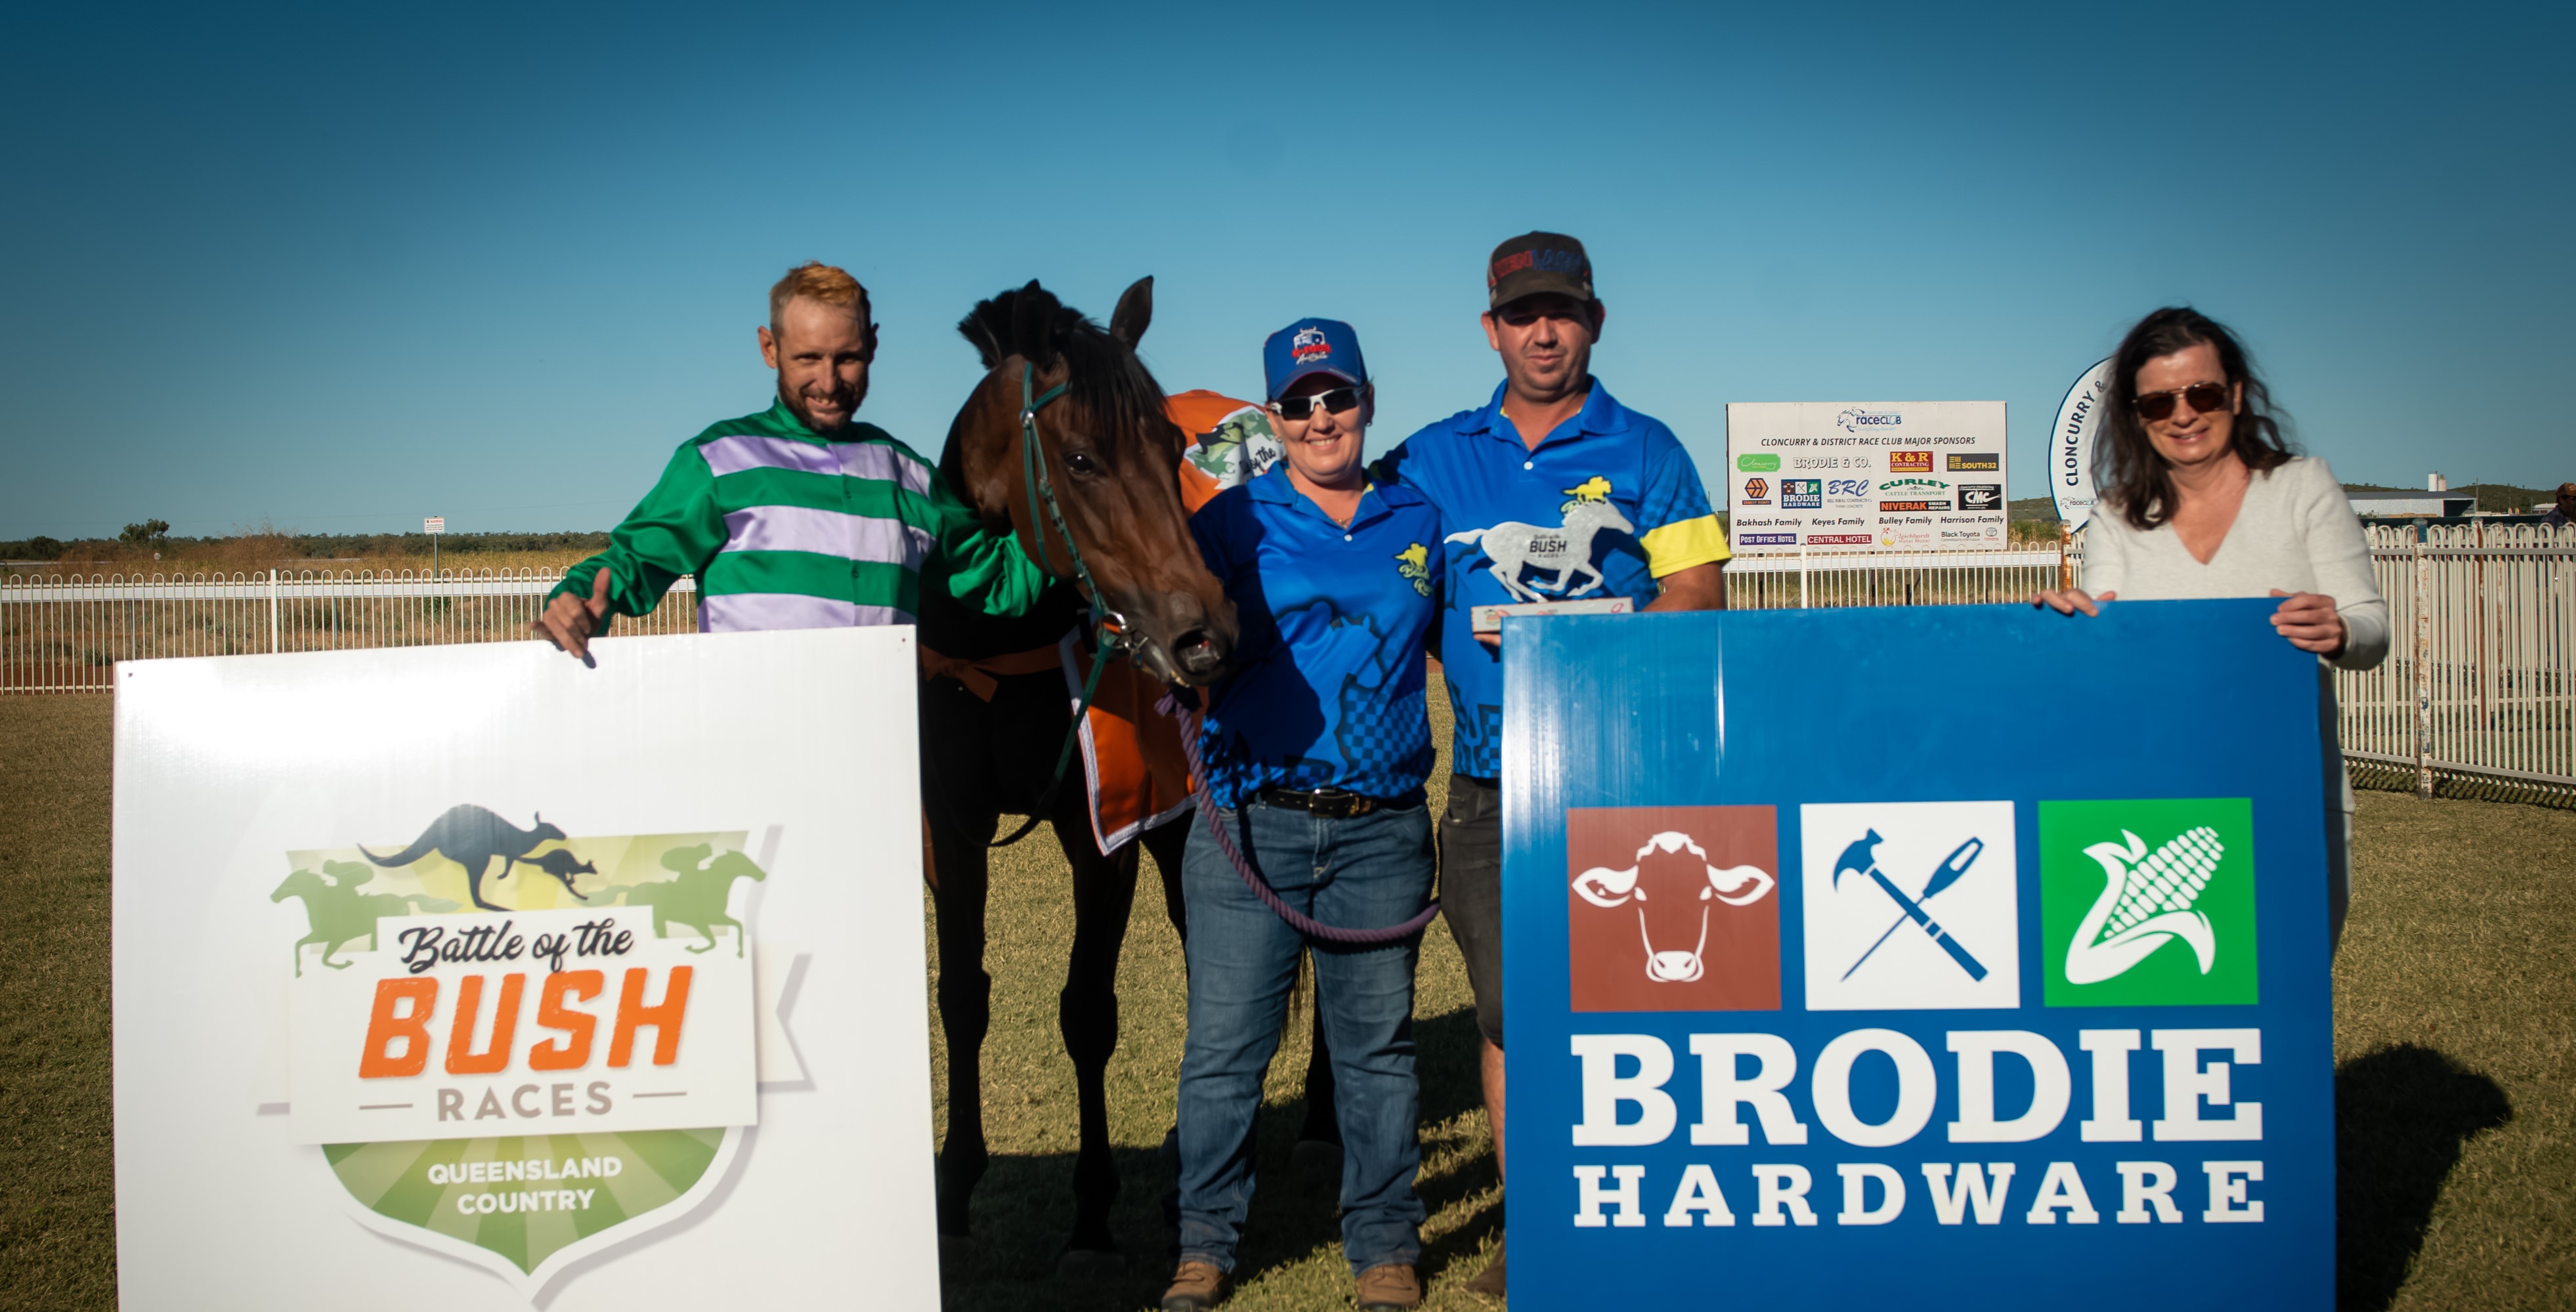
x=1111, y=634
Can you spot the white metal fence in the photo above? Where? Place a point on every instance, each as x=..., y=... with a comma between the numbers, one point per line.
x=66, y=634
x=1929, y=579
x=2478, y=694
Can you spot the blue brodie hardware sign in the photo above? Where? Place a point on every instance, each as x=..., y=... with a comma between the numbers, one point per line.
x=471, y=978
x=1821, y=992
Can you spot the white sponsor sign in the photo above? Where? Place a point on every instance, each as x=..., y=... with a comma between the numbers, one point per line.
x=434, y=524
x=2080, y=420
x=454, y=977
x=1866, y=476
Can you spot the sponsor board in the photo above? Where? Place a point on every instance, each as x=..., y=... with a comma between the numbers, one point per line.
x=1832, y=459
x=478, y=949
x=1916, y=1027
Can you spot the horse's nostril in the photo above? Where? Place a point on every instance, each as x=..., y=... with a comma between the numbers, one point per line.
x=1198, y=653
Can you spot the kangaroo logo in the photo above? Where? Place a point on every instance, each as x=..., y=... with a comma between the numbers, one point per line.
x=697, y=898
x=339, y=913
x=1565, y=551
x=471, y=836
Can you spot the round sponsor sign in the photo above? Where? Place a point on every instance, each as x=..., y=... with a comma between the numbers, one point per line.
x=2070, y=445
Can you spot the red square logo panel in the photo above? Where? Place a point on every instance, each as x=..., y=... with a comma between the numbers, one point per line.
x=1673, y=908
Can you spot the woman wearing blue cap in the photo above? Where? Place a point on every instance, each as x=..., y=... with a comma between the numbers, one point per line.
x=1315, y=751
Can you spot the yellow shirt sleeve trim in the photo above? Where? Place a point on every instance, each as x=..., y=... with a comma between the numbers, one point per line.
x=1678, y=546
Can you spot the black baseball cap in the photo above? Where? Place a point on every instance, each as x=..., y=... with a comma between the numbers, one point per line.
x=1536, y=262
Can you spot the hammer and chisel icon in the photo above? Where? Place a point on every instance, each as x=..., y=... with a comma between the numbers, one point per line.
x=1862, y=858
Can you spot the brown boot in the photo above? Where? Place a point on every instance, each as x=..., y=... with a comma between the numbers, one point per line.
x=1489, y=1282
x=1389, y=1288
x=1196, y=1287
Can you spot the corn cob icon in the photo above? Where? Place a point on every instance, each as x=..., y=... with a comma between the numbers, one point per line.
x=2146, y=901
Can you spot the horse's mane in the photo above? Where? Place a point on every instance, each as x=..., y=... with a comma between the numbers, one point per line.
x=1107, y=379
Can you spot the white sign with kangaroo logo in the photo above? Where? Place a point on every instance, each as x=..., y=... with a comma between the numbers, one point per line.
x=473, y=977
x=1910, y=905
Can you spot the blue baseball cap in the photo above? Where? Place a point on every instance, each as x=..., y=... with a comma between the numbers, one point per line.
x=1312, y=346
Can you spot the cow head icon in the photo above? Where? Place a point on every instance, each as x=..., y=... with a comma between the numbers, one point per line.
x=1671, y=886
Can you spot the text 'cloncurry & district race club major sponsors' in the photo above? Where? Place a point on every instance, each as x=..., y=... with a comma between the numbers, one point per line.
x=1866, y=476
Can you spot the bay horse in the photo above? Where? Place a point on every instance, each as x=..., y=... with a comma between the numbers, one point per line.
x=1112, y=455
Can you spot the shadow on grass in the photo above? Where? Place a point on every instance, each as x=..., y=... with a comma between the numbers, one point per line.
x=1024, y=1207
x=2402, y=1115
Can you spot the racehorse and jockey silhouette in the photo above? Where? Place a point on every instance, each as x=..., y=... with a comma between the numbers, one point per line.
x=697, y=898
x=339, y=913
x=471, y=837
x=1565, y=551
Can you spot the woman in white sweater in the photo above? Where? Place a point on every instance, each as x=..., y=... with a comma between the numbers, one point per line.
x=2204, y=499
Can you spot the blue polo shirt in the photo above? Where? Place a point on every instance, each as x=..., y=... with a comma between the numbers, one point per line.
x=1606, y=505
x=1328, y=686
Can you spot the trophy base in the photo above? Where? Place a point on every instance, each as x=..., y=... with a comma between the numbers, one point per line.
x=1489, y=619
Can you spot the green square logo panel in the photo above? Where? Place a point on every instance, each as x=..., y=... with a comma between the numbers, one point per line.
x=2147, y=903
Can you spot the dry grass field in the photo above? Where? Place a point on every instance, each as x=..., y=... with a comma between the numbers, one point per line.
x=2456, y=1015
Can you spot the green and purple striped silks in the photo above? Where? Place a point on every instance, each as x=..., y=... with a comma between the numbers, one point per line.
x=786, y=528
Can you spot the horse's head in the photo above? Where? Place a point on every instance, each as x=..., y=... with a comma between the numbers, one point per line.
x=734, y=865
x=1596, y=515
x=1112, y=457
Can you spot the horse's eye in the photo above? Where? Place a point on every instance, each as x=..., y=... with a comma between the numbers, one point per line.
x=1081, y=463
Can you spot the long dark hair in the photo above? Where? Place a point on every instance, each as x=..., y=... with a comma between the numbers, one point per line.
x=2133, y=477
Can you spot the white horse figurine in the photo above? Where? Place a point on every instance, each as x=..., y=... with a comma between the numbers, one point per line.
x=1564, y=552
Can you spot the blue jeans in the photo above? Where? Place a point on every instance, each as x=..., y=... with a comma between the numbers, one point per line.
x=1361, y=873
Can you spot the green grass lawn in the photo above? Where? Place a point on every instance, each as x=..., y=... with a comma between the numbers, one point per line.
x=2456, y=1016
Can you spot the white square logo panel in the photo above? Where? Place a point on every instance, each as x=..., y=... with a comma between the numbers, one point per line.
x=1910, y=906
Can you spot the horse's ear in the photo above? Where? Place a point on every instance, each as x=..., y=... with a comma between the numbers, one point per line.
x=1135, y=310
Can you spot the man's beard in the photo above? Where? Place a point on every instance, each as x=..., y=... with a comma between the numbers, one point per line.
x=801, y=408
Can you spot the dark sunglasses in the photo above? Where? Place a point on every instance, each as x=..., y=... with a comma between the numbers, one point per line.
x=1303, y=407
x=2206, y=398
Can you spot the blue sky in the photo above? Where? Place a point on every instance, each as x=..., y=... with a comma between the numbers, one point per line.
x=336, y=268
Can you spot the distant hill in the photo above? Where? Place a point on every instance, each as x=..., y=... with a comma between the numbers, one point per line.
x=2494, y=498
x=295, y=546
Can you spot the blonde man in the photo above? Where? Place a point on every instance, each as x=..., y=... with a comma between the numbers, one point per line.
x=797, y=517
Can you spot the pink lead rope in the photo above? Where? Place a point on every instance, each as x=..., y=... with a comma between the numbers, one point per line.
x=1252, y=879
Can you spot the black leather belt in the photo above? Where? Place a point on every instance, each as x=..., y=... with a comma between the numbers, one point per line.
x=1330, y=803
